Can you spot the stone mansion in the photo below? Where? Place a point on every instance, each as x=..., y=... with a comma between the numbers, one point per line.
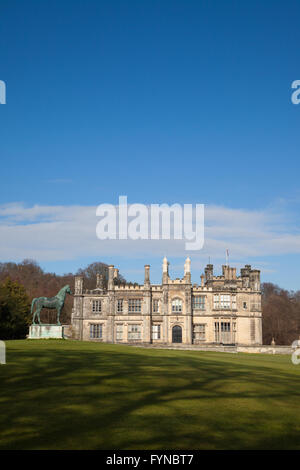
x=222, y=310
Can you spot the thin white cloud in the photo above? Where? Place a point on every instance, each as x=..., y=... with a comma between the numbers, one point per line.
x=55, y=233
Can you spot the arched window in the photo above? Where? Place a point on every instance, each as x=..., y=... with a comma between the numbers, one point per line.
x=176, y=305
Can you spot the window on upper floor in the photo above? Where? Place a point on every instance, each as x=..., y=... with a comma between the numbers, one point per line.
x=222, y=301
x=176, y=305
x=96, y=306
x=120, y=305
x=155, y=305
x=134, y=305
x=199, y=302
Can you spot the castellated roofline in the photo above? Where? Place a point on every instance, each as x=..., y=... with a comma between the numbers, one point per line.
x=249, y=279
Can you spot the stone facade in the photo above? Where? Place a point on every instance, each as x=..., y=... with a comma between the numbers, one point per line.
x=222, y=310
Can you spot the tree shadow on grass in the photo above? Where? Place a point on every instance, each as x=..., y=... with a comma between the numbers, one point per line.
x=89, y=396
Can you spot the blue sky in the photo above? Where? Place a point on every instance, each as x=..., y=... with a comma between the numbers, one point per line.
x=162, y=101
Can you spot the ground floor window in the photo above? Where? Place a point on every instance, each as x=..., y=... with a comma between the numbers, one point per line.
x=155, y=331
x=225, y=332
x=95, y=331
x=119, y=332
x=199, y=332
x=134, y=332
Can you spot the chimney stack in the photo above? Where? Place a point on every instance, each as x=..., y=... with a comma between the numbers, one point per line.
x=78, y=285
x=110, y=277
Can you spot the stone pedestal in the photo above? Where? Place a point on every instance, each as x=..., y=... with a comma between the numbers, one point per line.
x=46, y=331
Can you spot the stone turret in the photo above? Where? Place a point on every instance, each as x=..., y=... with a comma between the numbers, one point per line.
x=209, y=272
x=187, y=269
x=246, y=270
x=250, y=277
x=245, y=275
x=229, y=273
x=165, y=267
x=255, y=279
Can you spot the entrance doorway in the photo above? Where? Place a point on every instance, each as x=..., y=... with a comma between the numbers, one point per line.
x=176, y=334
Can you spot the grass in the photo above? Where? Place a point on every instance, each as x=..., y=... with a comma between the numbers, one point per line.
x=82, y=395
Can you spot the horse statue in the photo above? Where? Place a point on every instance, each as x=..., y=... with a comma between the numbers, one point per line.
x=56, y=302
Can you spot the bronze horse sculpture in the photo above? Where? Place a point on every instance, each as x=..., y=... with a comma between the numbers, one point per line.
x=56, y=302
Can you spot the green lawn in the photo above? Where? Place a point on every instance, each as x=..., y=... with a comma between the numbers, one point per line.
x=71, y=395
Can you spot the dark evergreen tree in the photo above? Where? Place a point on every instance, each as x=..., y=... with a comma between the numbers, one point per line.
x=14, y=310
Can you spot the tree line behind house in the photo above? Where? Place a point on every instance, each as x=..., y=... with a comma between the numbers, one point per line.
x=21, y=282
